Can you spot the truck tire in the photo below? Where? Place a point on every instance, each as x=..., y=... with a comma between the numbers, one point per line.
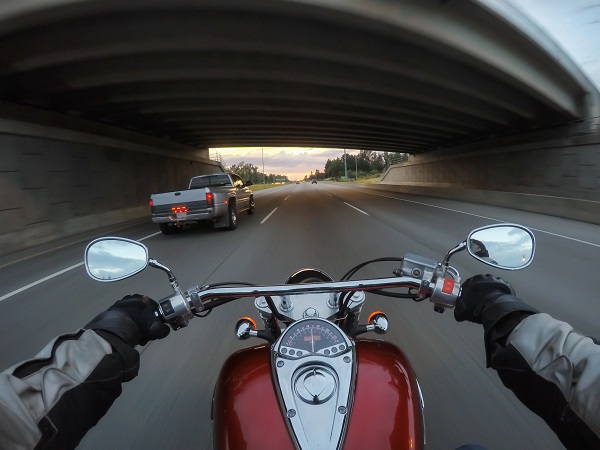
x=232, y=215
x=251, y=208
x=168, y=228
x=164, y=227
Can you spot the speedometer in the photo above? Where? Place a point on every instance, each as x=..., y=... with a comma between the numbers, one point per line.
x=314, y=368
x=312, y=336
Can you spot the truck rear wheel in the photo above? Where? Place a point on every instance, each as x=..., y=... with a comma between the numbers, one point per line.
x=232, y=217
x=168, y=228
x=251, y=208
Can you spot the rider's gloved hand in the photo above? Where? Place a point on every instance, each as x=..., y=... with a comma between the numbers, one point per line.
x=132, y=319
x=491, y=301
x=476, y=293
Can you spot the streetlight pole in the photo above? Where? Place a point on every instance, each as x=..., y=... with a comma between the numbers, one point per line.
x=262, y=151
x=345, y=166
x=356, y=173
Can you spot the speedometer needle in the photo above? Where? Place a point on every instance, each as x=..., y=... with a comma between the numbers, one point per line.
x=312, y=340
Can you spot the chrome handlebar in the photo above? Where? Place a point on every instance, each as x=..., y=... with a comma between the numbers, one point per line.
x=179, y=309
x=513, y=246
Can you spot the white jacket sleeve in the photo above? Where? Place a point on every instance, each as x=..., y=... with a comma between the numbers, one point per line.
x=555, y=372
x=52, y=400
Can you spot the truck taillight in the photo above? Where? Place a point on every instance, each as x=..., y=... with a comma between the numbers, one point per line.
x=210, y=199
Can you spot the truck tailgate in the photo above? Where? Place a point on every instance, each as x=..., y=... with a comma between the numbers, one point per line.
x=179, y=204
x=191, y=208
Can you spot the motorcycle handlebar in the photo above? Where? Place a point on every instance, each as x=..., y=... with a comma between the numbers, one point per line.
x=179, y=310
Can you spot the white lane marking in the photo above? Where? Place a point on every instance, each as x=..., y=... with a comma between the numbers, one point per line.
x=286, y=198
x=436, y=206
x=90, y=238
x=484, y=217
x=566, y=237
x=270, y=190
x=149, y=236
x=359, y=210
x=267, y=218
x=60, y=272
x=35, y=283
x=331, y=195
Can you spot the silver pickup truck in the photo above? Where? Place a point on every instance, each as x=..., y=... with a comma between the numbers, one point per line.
x=216, y=197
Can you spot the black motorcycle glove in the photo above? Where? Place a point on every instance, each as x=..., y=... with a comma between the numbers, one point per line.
x=475, y=295
x=491, y=301
x=132, y=319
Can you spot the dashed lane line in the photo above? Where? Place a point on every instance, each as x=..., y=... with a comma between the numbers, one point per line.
x=267, y=218
x=54, y=275
x=359, y=210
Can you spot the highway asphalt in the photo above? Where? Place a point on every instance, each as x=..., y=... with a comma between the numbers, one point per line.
x=332, y=226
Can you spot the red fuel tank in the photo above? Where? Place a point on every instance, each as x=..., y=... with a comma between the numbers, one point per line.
x=386, y=413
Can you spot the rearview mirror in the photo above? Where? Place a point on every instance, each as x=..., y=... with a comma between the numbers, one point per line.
x=114, y=258
x=505, y=246
x=248, y=183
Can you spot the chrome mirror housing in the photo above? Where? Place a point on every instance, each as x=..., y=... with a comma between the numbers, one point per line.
x=110, y=259
x=504, y=246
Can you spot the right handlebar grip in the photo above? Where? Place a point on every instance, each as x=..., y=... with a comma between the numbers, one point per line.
x=445, y=292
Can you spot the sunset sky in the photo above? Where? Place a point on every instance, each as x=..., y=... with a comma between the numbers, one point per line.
x=291, y=161
x=574, y=25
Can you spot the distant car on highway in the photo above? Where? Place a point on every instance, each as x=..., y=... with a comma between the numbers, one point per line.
x=297, y=182
x=314, y=181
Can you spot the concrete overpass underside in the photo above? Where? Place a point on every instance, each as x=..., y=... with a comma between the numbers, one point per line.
x=87, y=87
x=403, y=76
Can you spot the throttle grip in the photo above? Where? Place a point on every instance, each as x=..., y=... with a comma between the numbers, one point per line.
x=445, y=293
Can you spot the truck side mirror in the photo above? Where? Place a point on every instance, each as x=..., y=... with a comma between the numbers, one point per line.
x=248, y=183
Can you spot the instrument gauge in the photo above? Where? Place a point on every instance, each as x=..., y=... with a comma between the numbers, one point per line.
x=312, y=336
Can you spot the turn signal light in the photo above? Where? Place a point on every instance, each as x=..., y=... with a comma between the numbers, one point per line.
x=251, y=320
x=379, y=322
x=373, y=314
x=244, y=328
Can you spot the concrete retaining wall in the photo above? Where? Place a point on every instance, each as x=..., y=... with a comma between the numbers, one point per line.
x=559, y=177
x=55, y=182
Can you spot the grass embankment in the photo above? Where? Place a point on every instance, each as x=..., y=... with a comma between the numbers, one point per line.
x=370, y=180
x=374, y=179
x=260, y=187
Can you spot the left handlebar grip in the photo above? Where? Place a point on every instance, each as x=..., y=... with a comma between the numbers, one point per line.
x=175, y=310
x=159, y=315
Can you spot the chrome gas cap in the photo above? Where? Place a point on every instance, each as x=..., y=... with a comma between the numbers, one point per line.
x=315, y=385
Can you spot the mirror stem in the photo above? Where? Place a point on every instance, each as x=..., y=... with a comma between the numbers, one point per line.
x=459, y=248
x=174, y=283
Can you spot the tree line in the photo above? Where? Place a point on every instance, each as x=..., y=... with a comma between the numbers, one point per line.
x=366, y=162
x=249, y=172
